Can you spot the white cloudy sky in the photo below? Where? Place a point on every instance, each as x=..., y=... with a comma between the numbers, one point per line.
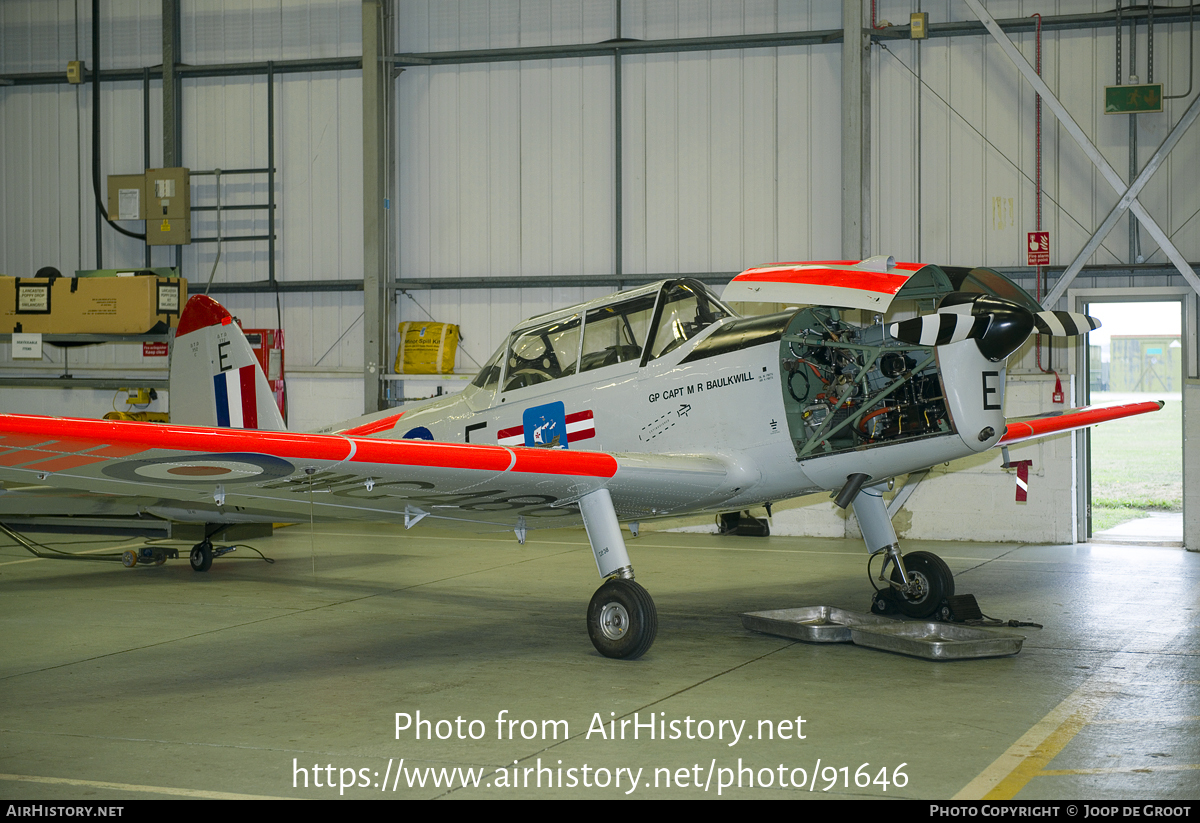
x=1133, y=318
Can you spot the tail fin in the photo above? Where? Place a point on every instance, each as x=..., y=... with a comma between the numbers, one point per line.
x=215, y=378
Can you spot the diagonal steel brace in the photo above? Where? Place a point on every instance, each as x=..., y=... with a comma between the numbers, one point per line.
x=1093, y=154
x=1123, y=204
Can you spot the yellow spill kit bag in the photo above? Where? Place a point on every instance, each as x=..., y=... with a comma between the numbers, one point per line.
x=427, y=348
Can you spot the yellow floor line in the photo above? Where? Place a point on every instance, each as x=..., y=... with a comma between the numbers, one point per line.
x=132, y=787
x=1042, y=743
x=1029, y=756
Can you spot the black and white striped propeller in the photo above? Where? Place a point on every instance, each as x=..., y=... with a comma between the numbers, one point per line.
x=998, y=326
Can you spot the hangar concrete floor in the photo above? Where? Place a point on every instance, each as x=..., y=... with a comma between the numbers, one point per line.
x=253, y=679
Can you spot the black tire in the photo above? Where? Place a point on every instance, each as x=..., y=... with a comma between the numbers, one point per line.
x=936, y=583
x=622, y=620
x=201, y=557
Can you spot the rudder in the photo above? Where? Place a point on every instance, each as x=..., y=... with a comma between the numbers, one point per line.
x=215, y=378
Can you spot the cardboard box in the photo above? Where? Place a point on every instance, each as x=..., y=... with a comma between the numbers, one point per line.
x=137, y=304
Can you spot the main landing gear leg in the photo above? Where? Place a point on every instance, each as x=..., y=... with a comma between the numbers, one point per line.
x=622, y=620
x=920, y=581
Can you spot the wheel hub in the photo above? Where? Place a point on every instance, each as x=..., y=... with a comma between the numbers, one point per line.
x=918, y=587
x=614, y=621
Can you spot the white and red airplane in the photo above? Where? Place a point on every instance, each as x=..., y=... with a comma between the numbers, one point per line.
x=648, y=403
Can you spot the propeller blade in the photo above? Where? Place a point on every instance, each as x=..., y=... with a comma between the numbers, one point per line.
x=1064, y=323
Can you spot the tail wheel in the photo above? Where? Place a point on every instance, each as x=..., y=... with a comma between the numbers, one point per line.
x=202, y=556
x=622, y=620
x=932, y=582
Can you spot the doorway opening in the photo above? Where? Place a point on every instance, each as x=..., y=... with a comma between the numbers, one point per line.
x=1135, y=475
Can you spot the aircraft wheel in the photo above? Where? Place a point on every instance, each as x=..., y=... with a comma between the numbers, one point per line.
x=202, y=557
x=934, y=580
x=160, y=557
x=622, y=620
x=129, y=558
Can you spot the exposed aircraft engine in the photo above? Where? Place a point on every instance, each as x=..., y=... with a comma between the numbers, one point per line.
x=848, y=386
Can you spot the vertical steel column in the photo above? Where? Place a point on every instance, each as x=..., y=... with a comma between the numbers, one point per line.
x=618, y=167
x=170, y=89
x=856, y=145
x=618, y=170
x=146, y=134
x=1133, y=135
x=270, y=171
x=374, y=89
x=171, y=106
x=95, y=78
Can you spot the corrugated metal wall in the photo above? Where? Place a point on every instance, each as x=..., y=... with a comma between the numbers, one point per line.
x=47, y=213
x=973, y=141
x=730, y=158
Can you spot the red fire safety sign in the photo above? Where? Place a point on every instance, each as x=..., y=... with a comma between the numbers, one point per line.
x=1039, y=248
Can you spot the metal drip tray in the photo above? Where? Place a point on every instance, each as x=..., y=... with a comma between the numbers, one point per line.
x=932, y=641
x=812, y=624
x=937, y=641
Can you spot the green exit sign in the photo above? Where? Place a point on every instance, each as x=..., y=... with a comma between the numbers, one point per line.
x=1133, y=99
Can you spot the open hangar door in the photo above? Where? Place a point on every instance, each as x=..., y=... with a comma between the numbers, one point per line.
x=1171, y=299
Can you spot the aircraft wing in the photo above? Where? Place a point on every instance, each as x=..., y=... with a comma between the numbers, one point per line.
x=1020, y=429
x=203, y=474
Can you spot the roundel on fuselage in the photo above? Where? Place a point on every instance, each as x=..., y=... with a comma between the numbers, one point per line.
x=419, y=433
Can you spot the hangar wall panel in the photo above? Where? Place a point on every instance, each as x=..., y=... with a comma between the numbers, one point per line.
x=967, y=130
x=505, y=169
x=47, y=214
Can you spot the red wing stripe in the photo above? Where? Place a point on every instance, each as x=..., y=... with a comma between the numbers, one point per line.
x=299, y=447
x=118, y=451
x=143, y=436
x=383, y=424
x=65, y=463
x=874, y=281
x=559, y=461
x=66, y=445
x=434, y=455
x=19, y=458
x=17, y=441
x=1018, y=430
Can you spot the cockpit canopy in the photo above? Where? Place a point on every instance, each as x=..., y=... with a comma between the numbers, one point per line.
x=635, y=326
